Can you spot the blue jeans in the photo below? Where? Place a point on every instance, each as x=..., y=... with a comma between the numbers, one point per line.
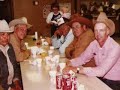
x=115, y=85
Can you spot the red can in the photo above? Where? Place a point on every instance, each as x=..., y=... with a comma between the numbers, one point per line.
x=67, y=83
x=74, y=82
x=59, y=81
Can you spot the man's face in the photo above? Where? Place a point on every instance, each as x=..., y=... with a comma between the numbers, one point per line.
x=4, y=38
x=21, y=31
x=101, y=32
x=77, y=29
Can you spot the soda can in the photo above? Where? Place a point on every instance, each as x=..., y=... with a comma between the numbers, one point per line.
x=74, y=82
x=67, y=83
x=59, y=81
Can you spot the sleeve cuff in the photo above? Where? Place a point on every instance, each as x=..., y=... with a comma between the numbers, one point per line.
x=87, y=71
x=72, y=62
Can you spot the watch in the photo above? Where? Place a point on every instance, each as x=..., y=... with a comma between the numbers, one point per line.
x=78, y=70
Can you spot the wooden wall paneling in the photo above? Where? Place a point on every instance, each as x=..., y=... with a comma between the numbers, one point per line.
x=6, y=10
x=33, y=13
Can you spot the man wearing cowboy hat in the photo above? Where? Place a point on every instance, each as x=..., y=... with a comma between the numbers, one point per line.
x=106, y=52
x=83, y=35
x=66, y=37
x=20, y=27
x=8, y=65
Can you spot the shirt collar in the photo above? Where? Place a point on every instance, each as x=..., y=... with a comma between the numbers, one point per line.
x=69, y=33
x=4, y=48
x=106, y=44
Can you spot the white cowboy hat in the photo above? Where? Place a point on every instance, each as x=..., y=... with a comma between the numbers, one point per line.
x=108, y=22
x=22, y=20
x=4, y=26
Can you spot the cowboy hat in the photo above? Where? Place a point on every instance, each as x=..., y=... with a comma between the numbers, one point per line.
x=22, y=20
x=4, y=26
x=74, y=16
x=108, y=22
x=81, y=20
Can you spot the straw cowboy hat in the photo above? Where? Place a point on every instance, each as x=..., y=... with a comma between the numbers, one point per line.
x=81, y=20
x=109, y=23
x=22, y=20
x=4, y=26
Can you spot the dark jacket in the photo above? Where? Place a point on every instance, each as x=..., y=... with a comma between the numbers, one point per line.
x=4, y=67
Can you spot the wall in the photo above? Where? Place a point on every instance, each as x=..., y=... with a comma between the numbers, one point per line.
x=6, y=10
x=34, y=14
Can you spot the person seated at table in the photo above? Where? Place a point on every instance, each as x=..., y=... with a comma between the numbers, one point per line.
x=106, y=52
x=9, y=71
x=20, y=27
x=83, y=36
x=62, y=38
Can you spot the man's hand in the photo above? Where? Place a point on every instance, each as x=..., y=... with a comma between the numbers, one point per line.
x=67, y=69
x=12, y=89
x=57, y=33
x=17, y=85
x=37, y=42
x=48, y=39
x=29, y=52
x=68, y=63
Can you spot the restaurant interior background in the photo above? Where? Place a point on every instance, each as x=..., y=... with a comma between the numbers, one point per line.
x=35, y=11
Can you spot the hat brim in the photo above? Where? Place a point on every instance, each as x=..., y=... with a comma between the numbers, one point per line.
x=17, y=21
x=8, y=31
x=12, y=28
x=81, y=20
x=29, y=25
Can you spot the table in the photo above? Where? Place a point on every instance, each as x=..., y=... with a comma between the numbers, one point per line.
x=36, y=78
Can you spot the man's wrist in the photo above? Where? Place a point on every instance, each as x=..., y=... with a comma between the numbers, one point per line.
x=68, y=63
x=78, y=70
